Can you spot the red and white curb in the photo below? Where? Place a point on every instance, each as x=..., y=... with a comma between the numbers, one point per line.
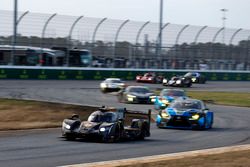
x=157, y=158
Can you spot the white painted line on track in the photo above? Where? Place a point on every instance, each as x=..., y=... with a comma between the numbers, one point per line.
x=157, y=158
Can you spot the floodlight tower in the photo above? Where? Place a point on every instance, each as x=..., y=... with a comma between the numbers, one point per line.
x=224, y=23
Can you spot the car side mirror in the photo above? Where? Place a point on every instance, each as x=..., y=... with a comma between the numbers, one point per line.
x=75, y=116
x=120, y=119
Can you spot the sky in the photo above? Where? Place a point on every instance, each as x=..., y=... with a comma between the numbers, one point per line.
x=193, y=12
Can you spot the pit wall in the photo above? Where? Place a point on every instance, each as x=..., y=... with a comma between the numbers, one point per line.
x=70, y=73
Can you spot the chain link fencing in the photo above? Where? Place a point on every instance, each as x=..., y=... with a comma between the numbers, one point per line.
x=132, y=44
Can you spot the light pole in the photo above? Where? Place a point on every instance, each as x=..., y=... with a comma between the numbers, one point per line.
x=224, y=23
x=160, y=27
x=12, y=58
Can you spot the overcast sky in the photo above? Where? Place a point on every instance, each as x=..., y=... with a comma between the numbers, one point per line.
x=193, y=12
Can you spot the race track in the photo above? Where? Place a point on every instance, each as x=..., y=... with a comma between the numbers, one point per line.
x=47, y=148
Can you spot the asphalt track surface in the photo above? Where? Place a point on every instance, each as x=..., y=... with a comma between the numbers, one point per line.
x=46, y=147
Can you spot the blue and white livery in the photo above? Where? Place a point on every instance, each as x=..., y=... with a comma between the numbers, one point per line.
x=185, y=114
x=167, y=96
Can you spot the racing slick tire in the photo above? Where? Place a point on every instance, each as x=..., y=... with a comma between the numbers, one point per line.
x=203, y=127
x=115, y=138
x=144, y=132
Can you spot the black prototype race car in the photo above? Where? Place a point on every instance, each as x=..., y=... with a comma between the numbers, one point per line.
x=108, y=125
x=178, y=81
x=196, y=77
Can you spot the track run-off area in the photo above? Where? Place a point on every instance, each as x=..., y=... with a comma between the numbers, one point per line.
x=45, y=147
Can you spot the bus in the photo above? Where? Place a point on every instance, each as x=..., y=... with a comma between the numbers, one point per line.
x=77, y=57
x=31, y=56
x=80, y=57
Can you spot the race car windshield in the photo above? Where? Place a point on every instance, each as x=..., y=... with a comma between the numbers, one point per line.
x=139, y=90
x=173, y=93
x=114, y=81
x=175, y=78
x=188, y=74
x=102, y=117
x=191, y=74
x=185, y=105
x=148, y=75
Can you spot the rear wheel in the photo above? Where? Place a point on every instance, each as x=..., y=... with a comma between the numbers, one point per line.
x=203, y=127
x=144, y=132
x=210, y=125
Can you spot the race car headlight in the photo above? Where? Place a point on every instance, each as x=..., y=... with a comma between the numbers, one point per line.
x=165, y=115
x=131, y=96
x=193, y=79
x=164, y=81
x=103, y=85
x=122, y=85
x=165, y=101
x=149, y=78
x=196, y=116
x=66, y=126
x=102, y=129
x=178, y=82
x=152, y=98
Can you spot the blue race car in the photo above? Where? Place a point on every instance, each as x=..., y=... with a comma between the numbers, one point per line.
x=167, y=96
x=185, y=114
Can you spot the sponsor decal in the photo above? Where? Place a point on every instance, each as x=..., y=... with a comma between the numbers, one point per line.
x=62, y=75
x=42, y=75
x=24, y=75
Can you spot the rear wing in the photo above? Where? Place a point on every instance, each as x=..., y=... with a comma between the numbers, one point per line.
x=124, y=113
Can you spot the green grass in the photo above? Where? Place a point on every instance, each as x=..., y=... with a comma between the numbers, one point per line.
x=224, y=98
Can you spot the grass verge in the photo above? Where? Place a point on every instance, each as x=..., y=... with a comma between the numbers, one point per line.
x=229, y=159
x=23, y=114
x=223, y=98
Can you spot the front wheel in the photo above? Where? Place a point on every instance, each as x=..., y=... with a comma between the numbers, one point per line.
x=114, y=137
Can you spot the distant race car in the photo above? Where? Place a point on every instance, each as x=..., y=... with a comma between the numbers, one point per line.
x=111, y=85
x=136, y=94
x=167, y=96
x=196, y=77
x=108, y=125
x=149, y=77
x=177, y=81
x=185, y=113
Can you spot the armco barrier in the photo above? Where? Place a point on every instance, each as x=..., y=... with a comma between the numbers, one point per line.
x=65, y=73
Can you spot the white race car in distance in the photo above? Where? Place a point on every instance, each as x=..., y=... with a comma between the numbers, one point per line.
x=111, y=85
